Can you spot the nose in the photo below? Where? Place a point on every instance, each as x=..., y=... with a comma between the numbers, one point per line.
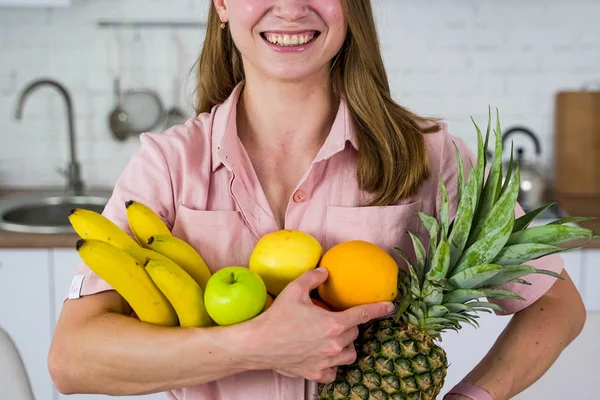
x=291, y=10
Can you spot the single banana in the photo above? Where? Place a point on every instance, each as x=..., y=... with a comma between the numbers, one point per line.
x=142, y=255
x=183, y=255
x=186, y=296
x=92, y=225
x=129, y=279
x=144, y=222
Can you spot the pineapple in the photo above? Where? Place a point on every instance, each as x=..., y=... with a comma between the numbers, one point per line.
x=467, y=261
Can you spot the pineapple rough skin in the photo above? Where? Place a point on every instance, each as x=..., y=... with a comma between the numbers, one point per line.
x=394, y=361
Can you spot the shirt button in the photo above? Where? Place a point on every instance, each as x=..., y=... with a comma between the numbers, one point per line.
x=299, y=196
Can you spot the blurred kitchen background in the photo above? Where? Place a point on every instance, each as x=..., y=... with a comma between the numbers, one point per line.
x=449, y=59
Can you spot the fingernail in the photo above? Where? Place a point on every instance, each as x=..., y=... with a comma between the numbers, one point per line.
x=391, y=308
x=321, y=269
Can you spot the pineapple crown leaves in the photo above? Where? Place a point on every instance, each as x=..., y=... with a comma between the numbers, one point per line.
x=481, y=248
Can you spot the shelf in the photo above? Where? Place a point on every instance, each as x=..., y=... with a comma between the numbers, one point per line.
x=35, y=3
x=151, y=24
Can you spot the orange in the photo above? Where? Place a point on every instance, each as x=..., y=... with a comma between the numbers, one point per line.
x=319, y=303
x=268, y=303
x=359, y=273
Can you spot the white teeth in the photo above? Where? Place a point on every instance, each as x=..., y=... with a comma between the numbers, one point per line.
x=289, y=40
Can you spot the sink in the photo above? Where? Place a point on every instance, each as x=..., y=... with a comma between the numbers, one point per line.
x=45, y=213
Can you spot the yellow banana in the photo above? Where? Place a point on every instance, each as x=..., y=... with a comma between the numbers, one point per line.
x=142, y=255
x=144, y=222
x=92, y=225
x=129, y=279
x=186, y=296
x=183, y=255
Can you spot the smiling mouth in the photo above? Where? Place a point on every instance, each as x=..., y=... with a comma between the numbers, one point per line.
x=290, y=40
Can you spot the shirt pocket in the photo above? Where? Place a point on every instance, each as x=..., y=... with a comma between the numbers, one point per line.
x=221, y=237
x=385, y=226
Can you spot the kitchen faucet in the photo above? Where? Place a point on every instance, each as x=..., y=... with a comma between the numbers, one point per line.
x=74, y=184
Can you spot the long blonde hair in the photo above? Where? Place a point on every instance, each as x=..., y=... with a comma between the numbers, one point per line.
x=393, y=160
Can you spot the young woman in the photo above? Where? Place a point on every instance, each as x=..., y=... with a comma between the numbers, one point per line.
x=296, y=129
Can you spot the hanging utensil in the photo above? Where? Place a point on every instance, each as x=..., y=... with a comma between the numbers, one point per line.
x=144, y=108
x=118, y=120
x=139, y=109
x=175, y=115
x=143, y=105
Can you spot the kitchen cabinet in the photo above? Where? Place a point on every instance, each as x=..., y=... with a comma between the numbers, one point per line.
x=466, y=348
x=591, y=278
x=574, y=267
x=24, y=312
x=35, y=3
x=64, y=262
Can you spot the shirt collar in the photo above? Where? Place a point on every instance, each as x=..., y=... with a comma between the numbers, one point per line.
x=226, y=145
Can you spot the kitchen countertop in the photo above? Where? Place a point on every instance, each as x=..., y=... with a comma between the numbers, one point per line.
x=586, y=207
x=572, y=206
x=16, y=240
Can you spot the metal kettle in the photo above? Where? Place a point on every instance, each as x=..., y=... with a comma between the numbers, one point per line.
x=533, y=182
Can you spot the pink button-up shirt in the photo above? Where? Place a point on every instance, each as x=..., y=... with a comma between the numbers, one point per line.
x=199, y=179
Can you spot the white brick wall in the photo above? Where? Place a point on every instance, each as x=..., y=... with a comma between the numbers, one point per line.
x=445, y=58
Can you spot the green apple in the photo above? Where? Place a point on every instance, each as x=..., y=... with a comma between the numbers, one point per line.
x=234, y=294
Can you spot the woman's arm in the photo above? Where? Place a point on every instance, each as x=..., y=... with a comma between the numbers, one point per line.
x=531, y=342
x=97, y=348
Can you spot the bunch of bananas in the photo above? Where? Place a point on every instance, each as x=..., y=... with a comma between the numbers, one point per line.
x=160, y=275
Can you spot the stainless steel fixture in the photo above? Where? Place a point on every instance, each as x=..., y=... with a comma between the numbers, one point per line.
x=533, y=181
x=45, y=212
x=74, y=182
x=48, y=211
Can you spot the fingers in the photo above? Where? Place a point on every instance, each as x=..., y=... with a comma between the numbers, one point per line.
x=345, y=357
x=349, y=336
x=310, y=280
x=366, y=312
x=327, y=375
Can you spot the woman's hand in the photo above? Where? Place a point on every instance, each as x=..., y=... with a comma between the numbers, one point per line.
x=299, y=339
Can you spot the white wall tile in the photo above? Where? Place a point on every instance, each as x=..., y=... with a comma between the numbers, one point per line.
x=444, y=58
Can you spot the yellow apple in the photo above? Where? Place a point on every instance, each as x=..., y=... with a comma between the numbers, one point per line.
x=281, y=256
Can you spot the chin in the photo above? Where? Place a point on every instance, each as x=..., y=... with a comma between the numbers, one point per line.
x=295, y=73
